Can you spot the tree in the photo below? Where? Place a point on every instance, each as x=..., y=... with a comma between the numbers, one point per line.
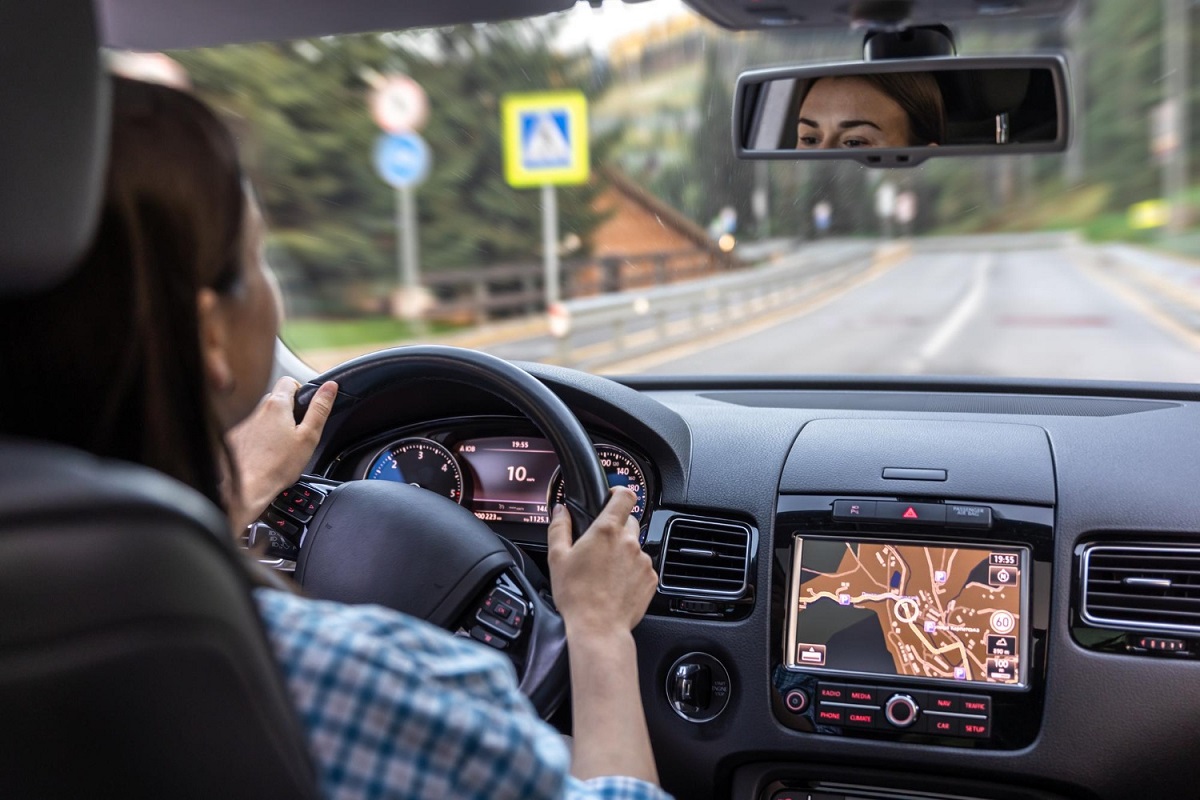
x=300, y=113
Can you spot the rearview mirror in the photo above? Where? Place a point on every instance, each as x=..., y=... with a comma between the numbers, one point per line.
x=900, y=112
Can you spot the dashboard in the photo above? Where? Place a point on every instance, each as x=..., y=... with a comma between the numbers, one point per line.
x=870, y=588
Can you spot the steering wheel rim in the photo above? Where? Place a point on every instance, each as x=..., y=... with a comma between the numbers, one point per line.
x=344, y=539
x=586, y=487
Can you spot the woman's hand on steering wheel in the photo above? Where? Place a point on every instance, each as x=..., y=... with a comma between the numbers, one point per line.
x=602, y=582
x=270, y=449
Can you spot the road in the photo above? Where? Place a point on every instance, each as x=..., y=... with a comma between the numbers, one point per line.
x=1057, y=313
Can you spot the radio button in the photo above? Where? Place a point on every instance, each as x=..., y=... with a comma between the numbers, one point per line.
x=901, y=710
x=866, y=695
x=865, y=717
x=831, y=715
x=976, y=704
x=943, y=702
x=977, y=727
x=833, y=693
x=943, y=725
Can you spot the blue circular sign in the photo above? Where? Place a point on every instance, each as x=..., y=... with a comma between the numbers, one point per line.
x=401, y=159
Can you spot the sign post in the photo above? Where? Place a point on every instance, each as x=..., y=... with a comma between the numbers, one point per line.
x=546, y=145
x=402, y=159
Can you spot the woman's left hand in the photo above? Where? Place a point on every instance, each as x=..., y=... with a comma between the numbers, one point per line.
x=270, y=450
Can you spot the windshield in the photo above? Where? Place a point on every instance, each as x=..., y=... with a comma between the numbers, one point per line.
x=564, y=190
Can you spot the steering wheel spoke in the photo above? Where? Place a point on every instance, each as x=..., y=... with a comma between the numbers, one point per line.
x=277, y=534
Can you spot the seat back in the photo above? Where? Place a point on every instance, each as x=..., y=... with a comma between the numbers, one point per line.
x=53, y=142
x=132, y=659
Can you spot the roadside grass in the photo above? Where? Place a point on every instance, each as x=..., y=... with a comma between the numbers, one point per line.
x=317, y=334
x=1086, y=209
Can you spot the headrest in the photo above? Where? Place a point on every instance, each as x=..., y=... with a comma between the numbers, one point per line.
x=54, y=99
x=981, y=95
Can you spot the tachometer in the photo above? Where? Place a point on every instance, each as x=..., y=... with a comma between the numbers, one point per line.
x=419, y=462
x=621, y=470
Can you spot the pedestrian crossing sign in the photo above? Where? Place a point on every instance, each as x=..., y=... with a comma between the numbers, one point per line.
x=545, y=139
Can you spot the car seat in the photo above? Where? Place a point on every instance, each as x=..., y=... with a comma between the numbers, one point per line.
x=133, y=662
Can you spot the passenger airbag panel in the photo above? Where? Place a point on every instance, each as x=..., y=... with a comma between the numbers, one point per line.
x=991, y=460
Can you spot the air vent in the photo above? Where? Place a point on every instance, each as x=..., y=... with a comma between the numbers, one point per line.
x=1142, y=587
x=705, y=557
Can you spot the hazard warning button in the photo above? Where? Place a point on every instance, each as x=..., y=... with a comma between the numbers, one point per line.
x=916, y=513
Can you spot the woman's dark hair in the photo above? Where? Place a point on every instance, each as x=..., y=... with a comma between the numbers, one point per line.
x=110, y=361
x=920, y=96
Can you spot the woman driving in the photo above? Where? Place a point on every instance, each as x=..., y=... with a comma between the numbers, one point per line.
x=162, y=342
x=902, y=109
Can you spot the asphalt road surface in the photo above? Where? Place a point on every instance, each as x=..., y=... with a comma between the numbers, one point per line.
x=1022, y=313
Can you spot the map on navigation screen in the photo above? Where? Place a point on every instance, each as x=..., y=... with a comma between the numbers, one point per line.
x=883, y=608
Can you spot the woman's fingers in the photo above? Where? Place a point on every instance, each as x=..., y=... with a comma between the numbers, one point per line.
x=614, y=517
x=319, y=409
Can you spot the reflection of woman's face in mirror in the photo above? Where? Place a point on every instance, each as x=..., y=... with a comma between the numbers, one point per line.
x=853, y=111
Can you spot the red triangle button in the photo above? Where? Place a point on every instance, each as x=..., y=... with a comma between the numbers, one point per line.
x=910, y=514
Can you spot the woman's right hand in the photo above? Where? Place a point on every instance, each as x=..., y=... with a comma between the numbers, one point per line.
x=602, y=586
x=603, y=582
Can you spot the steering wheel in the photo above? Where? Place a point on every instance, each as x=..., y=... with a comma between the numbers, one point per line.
x=418, y=552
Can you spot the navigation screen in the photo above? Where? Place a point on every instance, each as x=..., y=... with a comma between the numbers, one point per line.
x=942, y=613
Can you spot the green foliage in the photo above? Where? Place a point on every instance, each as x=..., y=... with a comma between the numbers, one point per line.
x=310, y=334
x=301, y=115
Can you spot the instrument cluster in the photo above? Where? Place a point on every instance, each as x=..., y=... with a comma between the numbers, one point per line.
x=502, y=473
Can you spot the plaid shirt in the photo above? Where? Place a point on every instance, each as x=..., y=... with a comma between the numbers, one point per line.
x=397, y=708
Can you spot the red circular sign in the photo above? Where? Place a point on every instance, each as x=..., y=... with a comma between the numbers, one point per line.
x=399, y=105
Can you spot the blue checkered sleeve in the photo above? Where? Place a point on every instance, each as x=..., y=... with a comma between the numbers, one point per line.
x=396, y=708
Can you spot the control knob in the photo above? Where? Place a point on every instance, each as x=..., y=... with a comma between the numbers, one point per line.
x=901, y=710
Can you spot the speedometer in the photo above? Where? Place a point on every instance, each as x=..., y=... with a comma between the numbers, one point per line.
x=419, y=462
x=621, y=470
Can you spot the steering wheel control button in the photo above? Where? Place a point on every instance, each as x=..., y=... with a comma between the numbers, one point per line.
x=901, y=711
x=281, y=524
x=481, y=634
x=503, y=613
x=277, y=546
x=299, y=503
x=698, y=687
x=796, y=701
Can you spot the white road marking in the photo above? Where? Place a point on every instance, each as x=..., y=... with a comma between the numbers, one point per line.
x=952, y=326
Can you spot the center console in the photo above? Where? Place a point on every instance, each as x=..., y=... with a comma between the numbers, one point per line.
x=912, y=620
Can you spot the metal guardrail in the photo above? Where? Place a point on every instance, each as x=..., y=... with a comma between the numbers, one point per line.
x=596, y=330
x=996, y=242
x=481, y=293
